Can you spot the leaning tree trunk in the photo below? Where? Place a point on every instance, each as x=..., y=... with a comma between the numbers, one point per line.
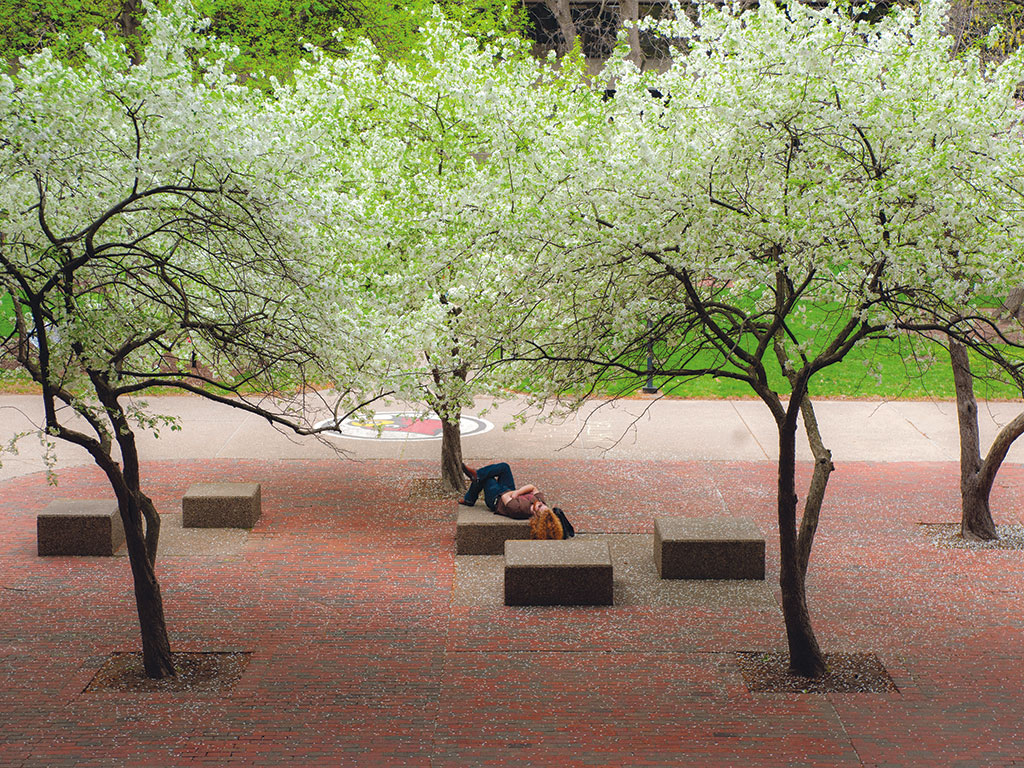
x=975, y=513
x=141, y=540
x=156, y=646
x=451, y=454
x=823, y=468
x=976, y=475
x=805, y=656
x=124, y=480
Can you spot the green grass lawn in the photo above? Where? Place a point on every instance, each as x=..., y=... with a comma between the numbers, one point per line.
x=902, y=368
x=853, y=379
x=882, y=370
x=12, y=380
x=6, y=315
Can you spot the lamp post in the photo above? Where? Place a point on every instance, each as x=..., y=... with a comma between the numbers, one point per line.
x=649, y=388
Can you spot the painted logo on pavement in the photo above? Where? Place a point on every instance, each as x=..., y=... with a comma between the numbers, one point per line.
x=402, y=425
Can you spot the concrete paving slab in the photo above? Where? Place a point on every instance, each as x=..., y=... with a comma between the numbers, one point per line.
x=479, y=581
x=210, y=544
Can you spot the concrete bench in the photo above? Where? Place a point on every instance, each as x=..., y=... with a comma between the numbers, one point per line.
x=221, y=505
x=482, y=532
x=570, y=572
x=73, y=527
x=708, y=548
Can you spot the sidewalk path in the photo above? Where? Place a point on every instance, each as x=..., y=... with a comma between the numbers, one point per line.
x=662, y=429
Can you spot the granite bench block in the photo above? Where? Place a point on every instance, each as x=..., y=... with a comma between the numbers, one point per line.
x=570, y=572
x=221, y=505
x=72, y=527
x=482, y=532
x=708, y=548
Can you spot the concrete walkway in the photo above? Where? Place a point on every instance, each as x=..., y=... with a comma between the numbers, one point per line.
x=660, y=429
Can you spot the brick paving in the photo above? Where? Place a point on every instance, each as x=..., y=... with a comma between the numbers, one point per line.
x=345, y=595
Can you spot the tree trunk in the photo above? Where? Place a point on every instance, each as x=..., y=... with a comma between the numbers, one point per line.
x=975, y=514
x=563, y=15
x=156, y=646
x=805, y=656
x=152, y=518
x=976, y=475
x=451, y=455
x=630, y=11
x=141, y=540
x=823, y=468
x=1011, y=309
x=129, y=23
x=446, y=403
x=124, y=481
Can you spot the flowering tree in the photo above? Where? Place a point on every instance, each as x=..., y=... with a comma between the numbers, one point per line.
x=427, y=158
x=158, y=228
x=807, y=183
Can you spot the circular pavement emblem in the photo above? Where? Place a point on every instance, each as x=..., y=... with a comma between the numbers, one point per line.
x=401, y=425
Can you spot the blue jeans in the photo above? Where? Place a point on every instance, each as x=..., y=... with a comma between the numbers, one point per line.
x=493, y=480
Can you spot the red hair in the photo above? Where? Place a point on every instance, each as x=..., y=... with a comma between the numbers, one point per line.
x=546, y=525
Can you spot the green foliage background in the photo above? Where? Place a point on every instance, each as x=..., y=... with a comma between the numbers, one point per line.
x=270, y=34
x=27, y=26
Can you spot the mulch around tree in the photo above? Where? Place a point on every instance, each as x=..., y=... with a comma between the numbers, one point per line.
x=845, y=673
x=197, y=673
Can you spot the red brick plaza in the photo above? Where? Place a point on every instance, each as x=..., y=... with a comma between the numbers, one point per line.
x=366, y=650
